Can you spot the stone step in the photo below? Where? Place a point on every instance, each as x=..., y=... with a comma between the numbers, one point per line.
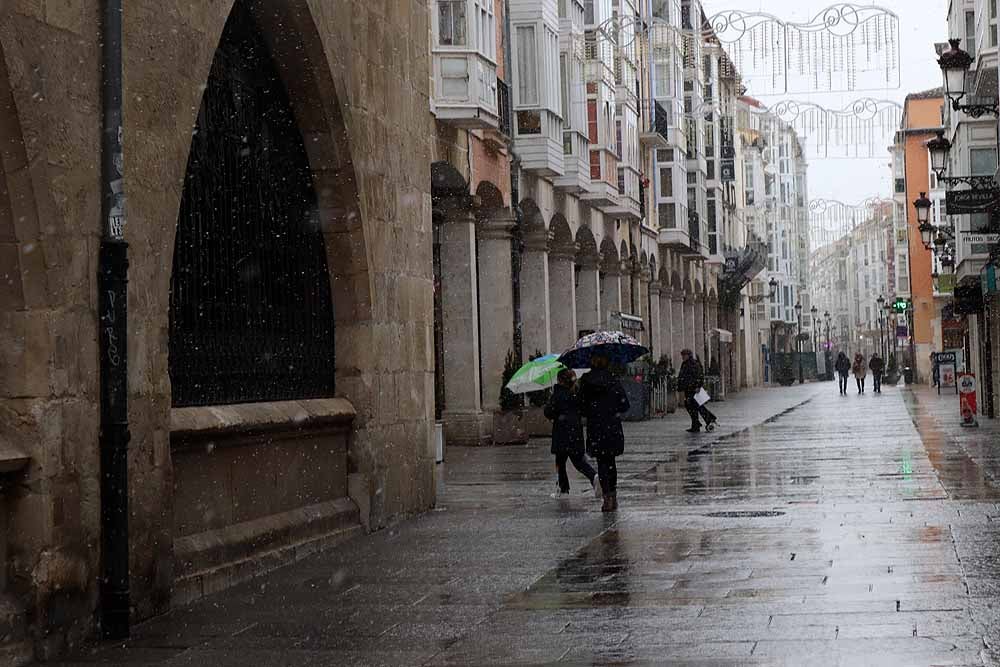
x=218, y=559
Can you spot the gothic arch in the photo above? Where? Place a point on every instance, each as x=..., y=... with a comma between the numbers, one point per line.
x=531, y=216
x=586, y=245
x=490, y=199
x=609, y=254
x=562, y=236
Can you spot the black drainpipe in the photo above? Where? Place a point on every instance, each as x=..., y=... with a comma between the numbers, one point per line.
x=515, y=204
x=112, y=294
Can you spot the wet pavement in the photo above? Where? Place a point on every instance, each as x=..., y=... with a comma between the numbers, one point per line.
x=810, y=529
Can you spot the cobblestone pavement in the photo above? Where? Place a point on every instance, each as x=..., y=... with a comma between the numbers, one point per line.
x=810, y=529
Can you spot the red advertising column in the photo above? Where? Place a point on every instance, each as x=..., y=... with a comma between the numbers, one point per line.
x=967, y=398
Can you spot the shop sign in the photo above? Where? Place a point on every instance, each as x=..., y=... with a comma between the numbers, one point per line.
x=971, y=201
x=977, y=244
x=967, y=398
x=989, y=280
x=901, y=331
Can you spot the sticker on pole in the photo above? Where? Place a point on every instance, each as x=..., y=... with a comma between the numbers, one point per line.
x=967, y=398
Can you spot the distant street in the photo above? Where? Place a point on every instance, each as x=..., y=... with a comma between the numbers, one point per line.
x=810, y=529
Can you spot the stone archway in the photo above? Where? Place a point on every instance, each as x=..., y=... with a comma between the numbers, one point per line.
x=536, y=323
x=588, y=281
x=494, y=235
x=329, y=284
x=562, y=284
x=611, y=280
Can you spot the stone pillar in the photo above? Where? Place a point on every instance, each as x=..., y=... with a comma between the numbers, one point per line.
x=496, y=304
x=535, y=323
x=690, y=324
x=642, y=305
x=588, y=295
x=701, y=348
x=611, y=292
x=562, y=297
x=463, y=417
x=655, y=334
x=626, y=288
x=666, y=323
x=678, y=325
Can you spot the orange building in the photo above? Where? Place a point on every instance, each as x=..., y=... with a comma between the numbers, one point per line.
x=921, y=118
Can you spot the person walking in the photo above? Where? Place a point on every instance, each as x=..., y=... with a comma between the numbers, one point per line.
x=604, y=401
x=877, y=367
x=563, y=409
x=860, y=371
x=843, y=366
x=689, y=381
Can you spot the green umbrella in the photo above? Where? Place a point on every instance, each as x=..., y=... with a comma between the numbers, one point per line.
x=536, y=375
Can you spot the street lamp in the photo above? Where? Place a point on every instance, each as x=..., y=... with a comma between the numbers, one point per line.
x=955, y=64
x=938, y=148
x=772, y=285
x=813, y=311
x=798, y=338
x=881, y=327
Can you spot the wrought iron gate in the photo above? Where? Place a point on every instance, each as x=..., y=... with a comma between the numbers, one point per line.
x=251, y=315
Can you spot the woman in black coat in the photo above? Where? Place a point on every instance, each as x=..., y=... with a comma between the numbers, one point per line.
x=563, y=409
x=604, y=402
x=843, y=367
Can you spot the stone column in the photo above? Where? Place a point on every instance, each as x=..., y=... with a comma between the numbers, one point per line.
x=701, y=340
x=611, y=292
x=691, y=323
x=642, y=305
x=666, y=323
x=678, y=325
x=655, y=334
x=562, y=297
x=535, y=323
x=496, y=304
x=588, y=295
x=626, y=288
x=463, y=418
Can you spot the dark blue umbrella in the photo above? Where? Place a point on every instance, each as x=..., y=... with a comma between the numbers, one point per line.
x=618, y=348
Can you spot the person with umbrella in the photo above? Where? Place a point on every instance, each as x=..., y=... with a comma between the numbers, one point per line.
x=690, y=380
x=563, y=409
x=604, y=401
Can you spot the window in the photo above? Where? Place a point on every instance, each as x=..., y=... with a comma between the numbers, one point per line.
x=970, y=33
x=564, y=87
x=588, y=12
x=451, y=22
x=666, y=182
x=983, y=161
x=529, y=122
x=527, y=59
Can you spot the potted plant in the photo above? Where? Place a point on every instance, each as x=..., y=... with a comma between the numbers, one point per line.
x=535, y=421
x=508, y=423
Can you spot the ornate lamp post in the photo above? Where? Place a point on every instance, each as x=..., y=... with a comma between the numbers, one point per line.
x=955, y=64
x=798, y=339
x=815, y=339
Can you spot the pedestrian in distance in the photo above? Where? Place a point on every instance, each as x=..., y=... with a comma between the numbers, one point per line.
x=860, y=369
x=877, y=367
x=568, y=442
x=604, y=402
x=843, y=367
x=690, y=380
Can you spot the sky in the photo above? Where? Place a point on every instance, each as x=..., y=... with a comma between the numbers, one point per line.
x=921, y=24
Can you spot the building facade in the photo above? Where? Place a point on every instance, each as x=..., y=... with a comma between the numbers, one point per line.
x=280, y=377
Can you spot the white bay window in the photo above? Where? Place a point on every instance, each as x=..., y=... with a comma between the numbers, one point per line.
x=465, y=62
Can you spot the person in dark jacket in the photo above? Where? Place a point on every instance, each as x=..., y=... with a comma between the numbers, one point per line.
x=689, y=381
x=843, y=366
x=877, y=367
x=563, y=409
x=604, y=402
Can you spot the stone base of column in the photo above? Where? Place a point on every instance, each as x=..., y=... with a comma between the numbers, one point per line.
x=467, y=429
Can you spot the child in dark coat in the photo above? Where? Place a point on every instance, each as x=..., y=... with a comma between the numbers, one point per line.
x=563, y=409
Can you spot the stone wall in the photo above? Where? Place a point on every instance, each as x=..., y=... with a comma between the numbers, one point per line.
x=363, y=111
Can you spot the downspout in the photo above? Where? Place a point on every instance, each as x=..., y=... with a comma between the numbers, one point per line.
x=515, y=201
x=112, y=295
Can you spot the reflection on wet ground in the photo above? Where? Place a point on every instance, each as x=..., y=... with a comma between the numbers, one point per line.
x=812, y=529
